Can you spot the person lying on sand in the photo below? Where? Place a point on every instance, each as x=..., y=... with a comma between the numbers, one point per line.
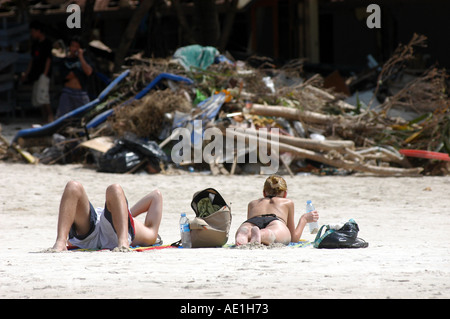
x=111, y=227
x=271, y=219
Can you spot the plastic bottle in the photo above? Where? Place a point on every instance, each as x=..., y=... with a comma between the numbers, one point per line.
x=185, y=232
x=314, y=226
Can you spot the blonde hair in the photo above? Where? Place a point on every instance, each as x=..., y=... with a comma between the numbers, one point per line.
x=274, y=185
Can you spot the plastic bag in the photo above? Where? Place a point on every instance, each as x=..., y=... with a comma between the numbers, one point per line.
x=129, y=152
x=344, y=237
x=148, y=149
x=196, y=56
x=118, y=159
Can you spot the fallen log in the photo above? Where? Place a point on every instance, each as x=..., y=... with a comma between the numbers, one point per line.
x=339, y=145
x=336, y=162
x=308, y=117
x=384, y=155
x=292, y=114
x=330, y=98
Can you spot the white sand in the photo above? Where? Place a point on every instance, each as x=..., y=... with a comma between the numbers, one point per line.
x=405, y=220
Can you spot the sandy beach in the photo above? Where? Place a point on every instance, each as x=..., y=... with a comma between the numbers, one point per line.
x=405, y=221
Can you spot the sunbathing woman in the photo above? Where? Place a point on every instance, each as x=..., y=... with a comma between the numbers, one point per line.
x=271, y=218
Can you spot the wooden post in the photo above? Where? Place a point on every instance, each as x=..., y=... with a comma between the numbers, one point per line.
x=312, y=30
x=130, y=31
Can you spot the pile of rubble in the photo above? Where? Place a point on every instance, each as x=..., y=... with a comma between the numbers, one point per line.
x=393, y=120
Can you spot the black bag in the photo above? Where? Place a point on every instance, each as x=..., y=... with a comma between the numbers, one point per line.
x=345, y=237
x=118, y=159
x=130, y=152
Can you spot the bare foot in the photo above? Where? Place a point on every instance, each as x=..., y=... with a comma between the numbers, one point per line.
x=268, y=237
x=242, y=236
x=58, y=247
x=256, y=235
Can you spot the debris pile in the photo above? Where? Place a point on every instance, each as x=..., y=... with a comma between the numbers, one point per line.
x=401, y=129
x=146, y=117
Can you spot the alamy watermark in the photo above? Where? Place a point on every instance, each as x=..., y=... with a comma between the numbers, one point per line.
x=74, y=19
x=211, y=145
x=374, y=19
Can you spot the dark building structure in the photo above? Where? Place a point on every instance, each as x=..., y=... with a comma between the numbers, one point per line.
x=329, y=34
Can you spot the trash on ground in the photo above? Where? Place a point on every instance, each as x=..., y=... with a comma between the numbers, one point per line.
x=331, y=125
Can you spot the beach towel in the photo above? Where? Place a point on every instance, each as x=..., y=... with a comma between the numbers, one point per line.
x=301, y=244
x=136, y=248
x=157, y=245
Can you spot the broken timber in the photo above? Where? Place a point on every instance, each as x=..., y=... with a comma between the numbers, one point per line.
x=309, y=117
x=327, y=159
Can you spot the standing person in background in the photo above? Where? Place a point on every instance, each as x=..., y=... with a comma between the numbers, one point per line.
x=39, y=70
x=76, y=70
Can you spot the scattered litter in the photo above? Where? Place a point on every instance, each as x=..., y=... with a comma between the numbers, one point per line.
x=388, y=120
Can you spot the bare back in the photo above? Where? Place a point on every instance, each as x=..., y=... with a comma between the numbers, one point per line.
x=270, y=205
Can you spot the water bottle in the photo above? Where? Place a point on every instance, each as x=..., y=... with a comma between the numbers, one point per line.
x=314, y=226
x=185, y=231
